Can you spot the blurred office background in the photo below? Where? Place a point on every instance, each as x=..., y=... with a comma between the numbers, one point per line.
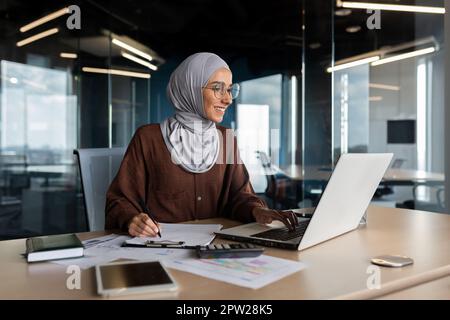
x=318, y=79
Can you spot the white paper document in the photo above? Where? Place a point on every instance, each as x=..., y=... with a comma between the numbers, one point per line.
x=85, y=262
x=108, y=248
x=100, y=240
x=97, y=251
x=252, y=273
x=190, y=234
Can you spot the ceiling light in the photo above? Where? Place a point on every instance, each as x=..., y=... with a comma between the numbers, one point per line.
x=375, y=98
x=352, y=64
x=37, y=37
x=392, y=7
x=45, y=19
x=404, y=56
x=353, y=29
x=68, y=55
x=140, y=61
x=117, y=72
x=343, y=12
x=13, y=80
x=315, y=45
x=384, y=86
x=122, y=44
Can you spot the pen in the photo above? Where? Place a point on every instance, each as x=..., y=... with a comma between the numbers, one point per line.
x=145, y=209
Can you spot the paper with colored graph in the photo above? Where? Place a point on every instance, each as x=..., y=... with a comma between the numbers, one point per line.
x=252, y=273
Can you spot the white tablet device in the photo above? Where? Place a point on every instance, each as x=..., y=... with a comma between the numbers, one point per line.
x=133, y=277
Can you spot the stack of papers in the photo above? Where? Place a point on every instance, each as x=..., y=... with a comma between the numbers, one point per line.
x=247, y=272
x=108, y=248
x=97, y=251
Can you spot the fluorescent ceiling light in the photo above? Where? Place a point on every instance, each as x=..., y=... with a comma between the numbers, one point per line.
x=353, y=64
x=117, y=72
x=384, y=86
x=353, y=29
x=392, y=7
x=375, y=98
x=140, y=61
x=404, y=56
x=315, y=45
x=122, y=44
x=45, y=19
x=68, y=55
x=343, y=12
x=37, y=37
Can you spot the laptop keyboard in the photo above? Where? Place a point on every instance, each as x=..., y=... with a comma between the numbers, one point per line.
x=283, y=234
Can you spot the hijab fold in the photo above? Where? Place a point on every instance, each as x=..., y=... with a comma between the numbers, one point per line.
x=192, y=139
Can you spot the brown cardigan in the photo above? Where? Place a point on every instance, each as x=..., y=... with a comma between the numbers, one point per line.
x=173, y=194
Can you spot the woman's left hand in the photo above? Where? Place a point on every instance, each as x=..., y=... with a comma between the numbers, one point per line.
x=265, y=215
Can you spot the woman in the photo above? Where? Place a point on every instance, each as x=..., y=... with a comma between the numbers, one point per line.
x=179, y=169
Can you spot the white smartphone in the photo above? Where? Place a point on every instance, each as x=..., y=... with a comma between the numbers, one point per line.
x=133, y=277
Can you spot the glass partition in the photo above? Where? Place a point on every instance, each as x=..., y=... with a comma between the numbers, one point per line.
x=39, y=109
x=61, y=88
x=258, y=119
x=388, y=96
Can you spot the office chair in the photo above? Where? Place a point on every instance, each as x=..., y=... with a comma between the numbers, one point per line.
x=436, y=203
x=398, y=163
x=98, y=167
x=280, y=188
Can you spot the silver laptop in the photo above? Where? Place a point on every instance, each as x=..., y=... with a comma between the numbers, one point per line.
x=340, y=209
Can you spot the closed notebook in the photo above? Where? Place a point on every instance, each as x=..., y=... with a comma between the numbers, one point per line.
x=53, y=247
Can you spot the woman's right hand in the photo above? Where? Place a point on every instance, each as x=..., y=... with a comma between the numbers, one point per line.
x=142, y=226
x=266, y=216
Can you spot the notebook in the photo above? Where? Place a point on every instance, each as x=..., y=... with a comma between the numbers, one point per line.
x=53, y=247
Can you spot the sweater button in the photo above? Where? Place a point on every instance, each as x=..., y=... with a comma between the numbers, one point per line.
x=199, y=198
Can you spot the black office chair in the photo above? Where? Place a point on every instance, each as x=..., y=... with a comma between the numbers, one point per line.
x=436, y=203
x=280, y=188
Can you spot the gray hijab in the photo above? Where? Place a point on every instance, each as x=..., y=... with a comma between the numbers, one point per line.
x=191, y=138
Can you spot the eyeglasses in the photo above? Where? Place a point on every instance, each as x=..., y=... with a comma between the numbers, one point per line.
x=219, y=89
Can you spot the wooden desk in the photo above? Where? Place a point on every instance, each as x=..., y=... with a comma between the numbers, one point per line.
x=295, y=172
x=336, y=268
x=436, y=290
x=55, y=169
x=392, y=176
x=410, y=177
x=42, y=171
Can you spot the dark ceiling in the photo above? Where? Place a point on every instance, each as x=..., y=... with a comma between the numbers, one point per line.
x=267, y=32
x=263, y=31
x=178, y=25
